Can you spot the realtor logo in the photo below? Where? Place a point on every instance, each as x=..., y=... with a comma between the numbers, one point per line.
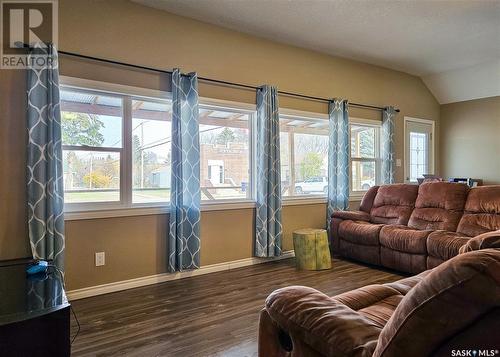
x=24, y=25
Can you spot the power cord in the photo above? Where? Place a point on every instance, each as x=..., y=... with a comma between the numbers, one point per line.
x=61, y=274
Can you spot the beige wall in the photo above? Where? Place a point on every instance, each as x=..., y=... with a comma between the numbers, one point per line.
x=131, y=33
x=470, y=144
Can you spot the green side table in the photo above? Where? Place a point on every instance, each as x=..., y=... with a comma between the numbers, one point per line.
x=311, y=249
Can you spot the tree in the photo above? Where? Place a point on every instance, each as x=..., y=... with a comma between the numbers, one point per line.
x=225, y=136
x=81, y=129
x=311, y=165
x=97, y=180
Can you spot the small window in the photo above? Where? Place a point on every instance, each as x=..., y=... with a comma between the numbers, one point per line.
x=304, y=156
x=225, y=153
x=365, y=161
x=92, y=146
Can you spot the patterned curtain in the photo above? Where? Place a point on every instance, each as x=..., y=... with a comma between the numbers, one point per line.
x=44, y=162
x=387, y=137
x=268, y=228
x=184, y=233
x=338, y=157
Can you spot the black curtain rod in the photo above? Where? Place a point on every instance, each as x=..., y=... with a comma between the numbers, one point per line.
x=232, y=84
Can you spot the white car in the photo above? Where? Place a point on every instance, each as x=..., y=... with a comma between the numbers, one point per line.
x=366, y=184
x=312, y=185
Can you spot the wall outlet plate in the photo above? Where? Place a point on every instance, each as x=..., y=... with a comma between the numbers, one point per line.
x=398, y=162
x=100, y=258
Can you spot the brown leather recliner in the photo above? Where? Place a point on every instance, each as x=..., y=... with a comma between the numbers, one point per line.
x=455, y=306
x=412, y=228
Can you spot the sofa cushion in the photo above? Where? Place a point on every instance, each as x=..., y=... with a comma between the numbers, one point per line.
x=445, y=245
x=482, y=211
x=404, y=239
x=375, y=302
x=406, y=284
x=360, y=232
x=393, y=204
x=439, y=205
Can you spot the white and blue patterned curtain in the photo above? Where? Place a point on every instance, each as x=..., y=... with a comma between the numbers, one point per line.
x=338, y=157
x=44, y=162
x=184, y=233
x=387, y=137
x=268, y=228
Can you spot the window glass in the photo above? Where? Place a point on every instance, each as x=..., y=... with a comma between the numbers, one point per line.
x=151, y=151
x=91, y=119
x=91, y=176
x=304, y=156
x=91, y=126
x=362, y=141
x=224, y=154
x=418, y=160
x=364, y=156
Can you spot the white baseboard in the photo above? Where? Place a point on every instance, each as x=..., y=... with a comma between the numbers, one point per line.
x=160, y=278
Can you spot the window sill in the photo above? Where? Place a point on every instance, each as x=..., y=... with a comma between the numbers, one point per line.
x=146, y=211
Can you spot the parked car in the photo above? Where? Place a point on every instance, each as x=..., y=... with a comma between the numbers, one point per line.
x=312, y=184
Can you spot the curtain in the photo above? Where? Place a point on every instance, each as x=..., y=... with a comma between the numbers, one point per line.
x=184, y=230
x=338, y=157
x=45, y=193
x=268, y=228
x=387, y=137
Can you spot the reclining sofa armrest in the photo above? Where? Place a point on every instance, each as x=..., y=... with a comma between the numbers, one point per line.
x=327, y=326
x=482, y=241
x=352, y=215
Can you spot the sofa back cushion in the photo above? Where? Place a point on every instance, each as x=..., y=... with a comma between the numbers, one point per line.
x=482, y=211
x=393, y=204
x=368, y=198
x=448, y=301
x=439, y=205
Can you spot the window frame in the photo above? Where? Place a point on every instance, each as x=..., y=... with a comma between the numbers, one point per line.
x=125, y=206
x=377, y=125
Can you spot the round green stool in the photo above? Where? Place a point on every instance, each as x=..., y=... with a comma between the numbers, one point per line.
x=311, y=249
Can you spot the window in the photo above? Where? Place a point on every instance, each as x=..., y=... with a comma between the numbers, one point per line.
x=92, y=146
x=117, y=150
x=225, y=153
x=419, y=157
x=365, y=156
x=304, y=156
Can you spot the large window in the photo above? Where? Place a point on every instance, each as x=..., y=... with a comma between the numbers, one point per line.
x=365, y=157
x=304, y=156
x=117, y=150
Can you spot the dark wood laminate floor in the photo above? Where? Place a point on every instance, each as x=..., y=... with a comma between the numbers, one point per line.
x=209, y=315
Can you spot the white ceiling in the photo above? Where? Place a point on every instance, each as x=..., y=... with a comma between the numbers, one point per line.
x=424, y=37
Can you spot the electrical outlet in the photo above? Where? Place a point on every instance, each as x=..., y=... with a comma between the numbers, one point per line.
x=398, y=162
x=100, y=259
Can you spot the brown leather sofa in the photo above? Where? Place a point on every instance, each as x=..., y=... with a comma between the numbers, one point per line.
x=413, y=228
x=453, y=307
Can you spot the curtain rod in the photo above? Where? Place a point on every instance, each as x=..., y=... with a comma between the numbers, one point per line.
x=217, y=81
